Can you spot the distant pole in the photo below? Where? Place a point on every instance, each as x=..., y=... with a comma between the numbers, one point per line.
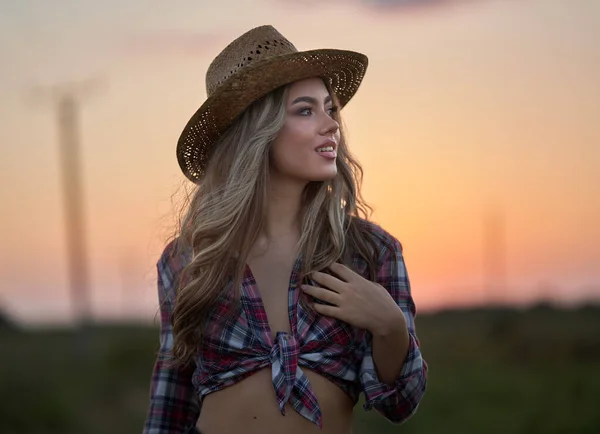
x=495, y=256
x=127, y=282
x=68, y=123
x=66, y=100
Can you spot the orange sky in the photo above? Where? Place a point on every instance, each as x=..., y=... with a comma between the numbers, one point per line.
x=465, y=109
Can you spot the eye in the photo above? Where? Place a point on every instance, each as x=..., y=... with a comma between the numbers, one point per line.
x=333, y=110
x=305, y=111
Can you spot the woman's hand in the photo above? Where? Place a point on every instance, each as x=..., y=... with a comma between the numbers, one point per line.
x=356, y=301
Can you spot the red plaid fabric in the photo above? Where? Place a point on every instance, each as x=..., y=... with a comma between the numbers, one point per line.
x=237, y=346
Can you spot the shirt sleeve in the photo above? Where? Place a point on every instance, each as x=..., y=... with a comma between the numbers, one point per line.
x=397, y=402
x=174, y=406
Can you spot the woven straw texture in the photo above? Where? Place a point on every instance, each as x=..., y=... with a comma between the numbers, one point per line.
x=253, y=65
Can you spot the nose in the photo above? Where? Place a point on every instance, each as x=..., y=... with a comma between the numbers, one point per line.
x=330, y=125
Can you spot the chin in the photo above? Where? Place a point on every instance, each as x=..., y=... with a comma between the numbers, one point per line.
x=324, y=176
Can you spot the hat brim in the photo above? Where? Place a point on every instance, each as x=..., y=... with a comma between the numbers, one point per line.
x=343, y=69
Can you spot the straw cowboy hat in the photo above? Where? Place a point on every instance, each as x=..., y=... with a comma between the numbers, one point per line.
x=250, y=67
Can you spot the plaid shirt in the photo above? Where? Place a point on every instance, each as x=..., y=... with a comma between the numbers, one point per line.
x=235, y=347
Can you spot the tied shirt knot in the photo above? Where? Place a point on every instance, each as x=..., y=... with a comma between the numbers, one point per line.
x=289, y=381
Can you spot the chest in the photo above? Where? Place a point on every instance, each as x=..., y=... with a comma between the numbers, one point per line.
x=272, y=273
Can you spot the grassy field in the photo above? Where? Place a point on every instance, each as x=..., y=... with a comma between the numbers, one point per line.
x=491, y=371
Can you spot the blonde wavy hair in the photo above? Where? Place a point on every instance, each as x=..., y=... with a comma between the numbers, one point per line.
x=221, y=219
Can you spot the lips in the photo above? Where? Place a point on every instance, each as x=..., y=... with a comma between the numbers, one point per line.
x=327, y=150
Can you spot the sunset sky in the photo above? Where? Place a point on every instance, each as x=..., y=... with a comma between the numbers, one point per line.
x=468, y=109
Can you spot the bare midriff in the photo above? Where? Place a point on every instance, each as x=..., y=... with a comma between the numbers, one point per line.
x=250, y=407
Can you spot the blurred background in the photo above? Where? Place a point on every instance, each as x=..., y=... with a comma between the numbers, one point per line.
x=478, y=127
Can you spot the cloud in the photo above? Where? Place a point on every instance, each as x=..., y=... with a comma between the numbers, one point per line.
x=387, y=6
x=408, y=4
x=209, y=44
x=416, y=5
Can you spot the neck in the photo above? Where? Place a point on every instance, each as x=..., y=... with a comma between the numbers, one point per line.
x=283, y=212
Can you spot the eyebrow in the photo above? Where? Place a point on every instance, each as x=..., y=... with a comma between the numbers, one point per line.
x=310, y=100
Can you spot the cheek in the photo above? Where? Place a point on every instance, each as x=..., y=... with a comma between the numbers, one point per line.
x=291, y=148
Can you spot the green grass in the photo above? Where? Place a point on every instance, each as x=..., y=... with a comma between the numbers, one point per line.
x=491, y=371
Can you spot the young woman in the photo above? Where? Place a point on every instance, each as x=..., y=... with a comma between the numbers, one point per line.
x=280, y=302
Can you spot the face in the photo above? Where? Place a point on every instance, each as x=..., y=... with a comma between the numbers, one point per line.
x=306, y=147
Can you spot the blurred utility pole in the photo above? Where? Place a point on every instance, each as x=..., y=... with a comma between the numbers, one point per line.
x=127, y=269
x=66, y=101
x=495, y=256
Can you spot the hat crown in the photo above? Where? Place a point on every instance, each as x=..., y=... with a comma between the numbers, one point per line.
x=257, y=44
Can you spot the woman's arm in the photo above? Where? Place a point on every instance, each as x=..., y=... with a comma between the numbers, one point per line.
x=393, y=373
x=174, y=406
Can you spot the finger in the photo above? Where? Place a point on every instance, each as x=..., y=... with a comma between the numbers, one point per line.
x=345, y=273
x=323, y=309
x=322, y=294
x=331, y=282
